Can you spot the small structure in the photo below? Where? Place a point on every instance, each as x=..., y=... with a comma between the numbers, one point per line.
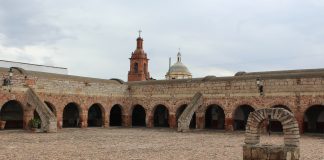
x=33, y=67
x=253, y=150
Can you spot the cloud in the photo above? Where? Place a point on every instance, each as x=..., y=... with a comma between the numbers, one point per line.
x=96, y=38
x=26, y=23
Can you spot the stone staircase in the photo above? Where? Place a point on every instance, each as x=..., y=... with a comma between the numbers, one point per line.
x=49, y=122
x=185, y=118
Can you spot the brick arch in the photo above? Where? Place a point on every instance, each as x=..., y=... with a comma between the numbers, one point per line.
x=122, y=107
x=116, y=119
x=77, y=104
x=153, y=108
x=178, y=104
x=281, y=103
x=207, y=121
x=282, y=106
x=145, y=110
x=150, y=118
x=51, y=105
x=20, y=100
x=206, y=105
x=232, y=114
x=131, y=108
x=103, y=109
x=314, y=103
x=103, y=115
x=17, y=123
x=287, y=119
x=80, y=109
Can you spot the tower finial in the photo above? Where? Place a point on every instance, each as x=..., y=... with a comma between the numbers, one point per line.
x=179, y=56
x=139, y=33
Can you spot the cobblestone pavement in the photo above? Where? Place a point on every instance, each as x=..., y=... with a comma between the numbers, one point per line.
x=138, y=143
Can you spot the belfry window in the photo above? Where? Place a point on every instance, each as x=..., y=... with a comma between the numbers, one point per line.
x=136, y=67
x=145, y=68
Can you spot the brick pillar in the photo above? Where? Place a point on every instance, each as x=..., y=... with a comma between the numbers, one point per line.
x=300, y=121
x=229, y=124
x=84, y=119
x=59, y=117
x=28, y=115
x=127, y=120
x=149, y=120
x=200, y=120
x=172, y=120
x=105, y=120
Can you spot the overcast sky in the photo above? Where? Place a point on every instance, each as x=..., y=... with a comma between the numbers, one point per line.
x=95, y=38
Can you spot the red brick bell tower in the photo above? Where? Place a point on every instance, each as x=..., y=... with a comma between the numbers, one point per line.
x=138, y=63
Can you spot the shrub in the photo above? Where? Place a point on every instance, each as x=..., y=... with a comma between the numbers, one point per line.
x=35, y=123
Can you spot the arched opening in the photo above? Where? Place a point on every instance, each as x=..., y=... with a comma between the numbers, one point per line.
x=314, y=119
x=193, y=119
x=115, y=116
x=241, y=115
x=214, y=117
x=95, y=116
x=179, y=111
x=51, y=107
x=12, y=115
x=136, y=67
x=145, y=68
x=275, y=125
x=71, y=116
x=138, y=116
x=36, y=116
x=161, y=116
x=193, y=122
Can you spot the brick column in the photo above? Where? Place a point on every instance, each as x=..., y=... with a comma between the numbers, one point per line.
x=127, y=120
x=229, y=124
x=200, y=121
x=84, y=119
x=172, y=120
x=300, y=121
x=59, y=117
x=149, y=119
x=105, y=120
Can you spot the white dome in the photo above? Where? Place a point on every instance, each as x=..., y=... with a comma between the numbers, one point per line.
x=179, y=68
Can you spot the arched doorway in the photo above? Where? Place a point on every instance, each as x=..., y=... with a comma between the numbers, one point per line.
x=12, y=113
x=161, y=116
x=193, y=122
x=193, y=119
x=115, y=116
x=275, y=125
x=71, y=116
x=138, y=116
x=241, y=115
x=95, y=115
x=214, y=117
x=314, y=119
x=51, y=107
x=36, y=116
x=179, y=111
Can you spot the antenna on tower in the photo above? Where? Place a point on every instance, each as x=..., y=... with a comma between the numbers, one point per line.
x=169, y=63
x=139, y=33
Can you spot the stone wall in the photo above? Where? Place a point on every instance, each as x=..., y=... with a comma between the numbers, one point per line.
x=297, y=90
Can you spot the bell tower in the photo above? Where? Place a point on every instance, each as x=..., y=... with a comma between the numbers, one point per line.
x=138, y=62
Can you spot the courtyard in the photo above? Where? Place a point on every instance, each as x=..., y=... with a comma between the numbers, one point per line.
x=138, y=143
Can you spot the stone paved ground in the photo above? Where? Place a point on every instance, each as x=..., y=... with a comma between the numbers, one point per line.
x=137, y=143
